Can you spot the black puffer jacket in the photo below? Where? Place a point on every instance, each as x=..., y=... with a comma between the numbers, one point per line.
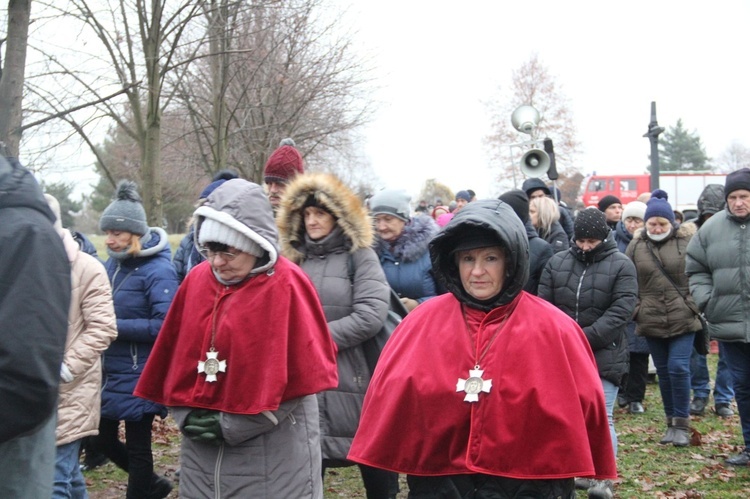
x=598, y=289
x=540, y=252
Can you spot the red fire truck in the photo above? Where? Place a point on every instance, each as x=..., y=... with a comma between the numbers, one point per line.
x=683, y=187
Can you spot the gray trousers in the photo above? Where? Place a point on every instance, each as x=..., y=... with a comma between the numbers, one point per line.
x=28, y=464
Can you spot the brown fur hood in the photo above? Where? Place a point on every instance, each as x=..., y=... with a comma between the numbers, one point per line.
x=329, y=191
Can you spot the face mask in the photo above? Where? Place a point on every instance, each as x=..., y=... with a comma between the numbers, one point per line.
x=659, y=237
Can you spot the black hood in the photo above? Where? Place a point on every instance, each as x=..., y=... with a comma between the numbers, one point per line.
x=19, y=188
x=498, y=218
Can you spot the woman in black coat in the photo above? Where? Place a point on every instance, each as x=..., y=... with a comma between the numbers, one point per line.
x=595, y=284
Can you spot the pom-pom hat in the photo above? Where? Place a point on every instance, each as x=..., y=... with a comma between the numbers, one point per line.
x=126, y=212
x=658, y=206
x=284, y=164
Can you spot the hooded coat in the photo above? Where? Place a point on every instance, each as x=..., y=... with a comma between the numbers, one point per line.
x=597, y=289
x=143, y=286
x=352, y=288
x=270, y=331
x=34, y=304
x=538, y=420
x=406, y=262
x=92, y=327
x=662, y=312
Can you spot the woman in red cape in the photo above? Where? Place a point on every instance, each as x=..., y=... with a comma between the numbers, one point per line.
x=486, y=391
x=243, y=351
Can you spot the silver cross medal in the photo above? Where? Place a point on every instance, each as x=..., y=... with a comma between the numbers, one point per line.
x=211, y=366
x=473, y=385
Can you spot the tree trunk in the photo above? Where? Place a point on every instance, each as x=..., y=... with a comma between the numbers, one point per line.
x=11, y=82
x=151, y=167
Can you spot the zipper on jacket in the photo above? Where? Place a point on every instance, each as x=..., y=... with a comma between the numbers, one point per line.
x=217, y=472
x=578, y=289
x=134, y=355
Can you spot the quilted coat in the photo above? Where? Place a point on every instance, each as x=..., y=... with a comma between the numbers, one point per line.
x=718, y=259
x=352, y=289
x=598, y=289
x=91, y=328
x=142, y=289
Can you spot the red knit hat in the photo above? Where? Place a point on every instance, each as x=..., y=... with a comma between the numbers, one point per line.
x=284, y=164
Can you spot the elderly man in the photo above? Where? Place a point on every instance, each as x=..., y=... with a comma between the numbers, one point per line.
x=718, y=265
x=282, y=166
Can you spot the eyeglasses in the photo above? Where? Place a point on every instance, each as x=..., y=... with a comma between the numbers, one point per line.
x=209, y=254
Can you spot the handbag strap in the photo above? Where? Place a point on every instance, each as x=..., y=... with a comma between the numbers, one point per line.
x=669, y=278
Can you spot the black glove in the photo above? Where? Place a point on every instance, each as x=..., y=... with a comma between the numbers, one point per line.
x=202, y=425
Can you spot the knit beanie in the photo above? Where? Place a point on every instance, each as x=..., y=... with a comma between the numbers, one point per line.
x=54, y=205
x=737, y=180
x=463, y=195
x=607, y=201
x=391, y=202
x=284, y=163
x=658, y=206
x=591, y=224
x=634, y=209
x=519, y=201
x=212, y=231
x=126, y=212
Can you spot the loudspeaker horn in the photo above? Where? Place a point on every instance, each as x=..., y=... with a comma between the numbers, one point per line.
x=535, y=163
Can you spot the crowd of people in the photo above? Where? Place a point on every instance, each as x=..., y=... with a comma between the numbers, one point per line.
x=252, y=336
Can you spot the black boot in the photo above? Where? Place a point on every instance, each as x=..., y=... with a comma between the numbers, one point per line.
x=160, y=487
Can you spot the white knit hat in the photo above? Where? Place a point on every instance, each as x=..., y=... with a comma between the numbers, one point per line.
x=212, y=231
x=634, y=209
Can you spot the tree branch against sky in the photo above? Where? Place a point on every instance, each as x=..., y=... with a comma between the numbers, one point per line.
x=531, y=84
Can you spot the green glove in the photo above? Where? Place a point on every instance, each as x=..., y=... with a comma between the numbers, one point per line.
x=202, y=425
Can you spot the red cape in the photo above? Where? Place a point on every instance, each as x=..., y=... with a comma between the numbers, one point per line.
x=271, y=331
x=544, y=417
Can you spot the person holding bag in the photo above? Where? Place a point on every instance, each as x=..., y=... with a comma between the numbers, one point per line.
x=325, y=229
x=666, y=314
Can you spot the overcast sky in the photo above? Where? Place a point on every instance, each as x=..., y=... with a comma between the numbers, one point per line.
x=438, y=60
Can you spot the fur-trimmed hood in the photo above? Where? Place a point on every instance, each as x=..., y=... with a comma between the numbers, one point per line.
x=331, y=193
x=683, y=230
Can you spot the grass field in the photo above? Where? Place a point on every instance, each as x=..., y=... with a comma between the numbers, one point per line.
x=646, y=468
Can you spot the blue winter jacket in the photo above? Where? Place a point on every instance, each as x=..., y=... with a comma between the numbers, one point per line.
x=142, y=289
x=406, y=263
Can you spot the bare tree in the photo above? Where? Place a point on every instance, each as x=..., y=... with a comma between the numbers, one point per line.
x=736, y=156
x=13, y=71
x=276, y=70
x=531, y=84
x=432, y=191
x=136, y=49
